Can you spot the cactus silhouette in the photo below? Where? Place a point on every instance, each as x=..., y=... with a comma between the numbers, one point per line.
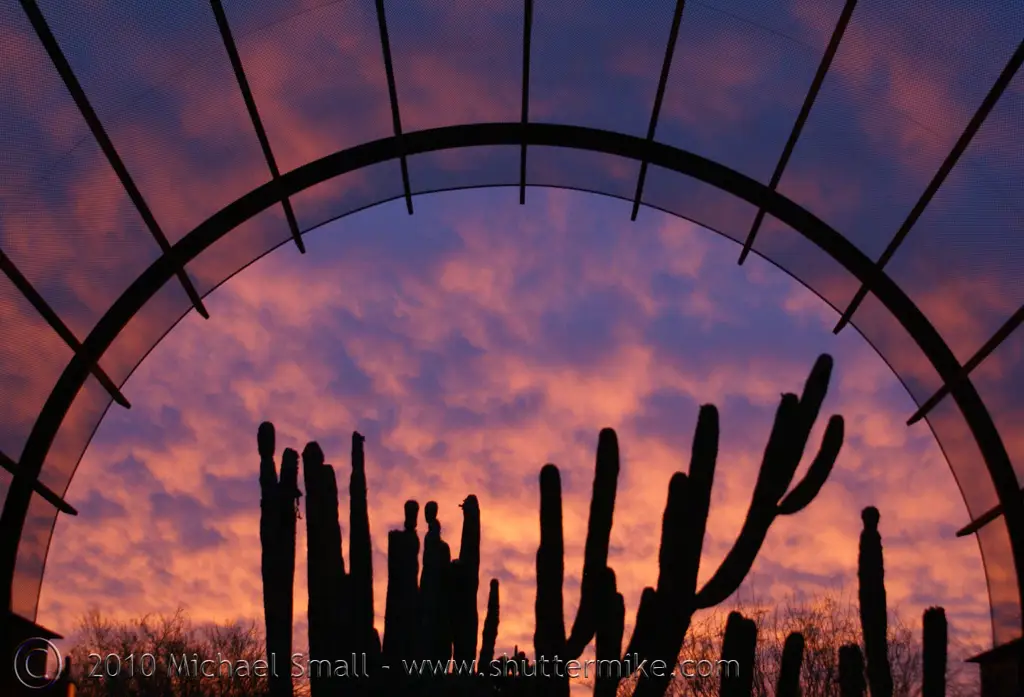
x=789, y=671
x=873, y=614
x=739, y=646
x=431, y=613
x=851, y=671
x=278, y=508
x=935, y=642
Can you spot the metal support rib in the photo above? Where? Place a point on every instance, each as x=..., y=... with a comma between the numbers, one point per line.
x=37, y=486
x=991, y=345
x=666, y=65
x=947, y=166
x=801, y=119
x=60, y=62
x=527, y=29
x=254, y=114
x=54, y=320
x=385, y=44
x=981, y=521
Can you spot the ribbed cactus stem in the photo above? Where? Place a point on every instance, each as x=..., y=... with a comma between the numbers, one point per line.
x=851, y=671
x=361, y=553
x=739, y=647
x=549, y=632
x=608, y=637
x=595, y=555
x=434, y=634
x=789, y=670
x=401, y=611
x=490, y=633
x=278, y=559
x=935, y=647
x=873, y=613
x=466, y=584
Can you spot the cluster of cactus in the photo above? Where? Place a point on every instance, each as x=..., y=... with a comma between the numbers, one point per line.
x=431, y=613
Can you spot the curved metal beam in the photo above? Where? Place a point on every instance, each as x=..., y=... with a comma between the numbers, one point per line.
x=470, y=135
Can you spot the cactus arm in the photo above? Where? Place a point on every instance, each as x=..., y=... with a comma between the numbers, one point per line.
x=740, y=559
x=595, y=556
x=817, y=474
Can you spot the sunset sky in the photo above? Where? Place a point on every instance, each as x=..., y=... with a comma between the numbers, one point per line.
x=470, y=345
x=478, y=339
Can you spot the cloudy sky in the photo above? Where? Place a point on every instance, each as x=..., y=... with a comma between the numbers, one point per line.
x=471, y=345
x=479, y=339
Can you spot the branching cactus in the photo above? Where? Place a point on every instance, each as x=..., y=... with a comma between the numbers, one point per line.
x=277, y=540
x=663, y=622
x=608, y=637
x=792, y=663
x=936, y=638
x=873, y=614
x=434, y=641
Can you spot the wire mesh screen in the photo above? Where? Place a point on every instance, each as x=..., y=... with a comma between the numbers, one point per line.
x=456, y=62
x=581, y=169
x=897, y=97
x=739, y=76
x=28, y=571
x=970, y=235
x=311, y=112
x=1002, y=582
x=702, y=203
x=596, y=62
x=237, y=249
x=998, y=380
x=167, y=95
x=465, y=167
x=31, y=360
x=347, y=193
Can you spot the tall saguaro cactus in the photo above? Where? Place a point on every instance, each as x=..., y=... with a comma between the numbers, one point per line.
x=789, y=670
x=402, y=605
x=465, y=576
x=934, y=654
x=873, y=613
x=277, y=541
x=361, y=556
x=670, y=606
x=329, y=635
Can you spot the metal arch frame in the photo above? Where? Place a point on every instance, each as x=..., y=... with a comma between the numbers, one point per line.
x=273, y=192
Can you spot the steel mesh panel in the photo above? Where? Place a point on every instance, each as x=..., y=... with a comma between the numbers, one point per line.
x=347, y=193
x=702, y=203
x=309, y=113
x=582, y=169
x=39, y=122
x=898, y=349
x=597, y=63
x=84, y=416
x=1002, y=581
x=903, y=85
x=76, y=237
x=737, y=84
x=239, y=248
x=970, y=235
x=961, y=451
x=28, y=569
x=186, y=139
x=456, y=62
x=32, y=357
x=806, y=261
x=1000, y=382
x=465, y=167
x=144, y=330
